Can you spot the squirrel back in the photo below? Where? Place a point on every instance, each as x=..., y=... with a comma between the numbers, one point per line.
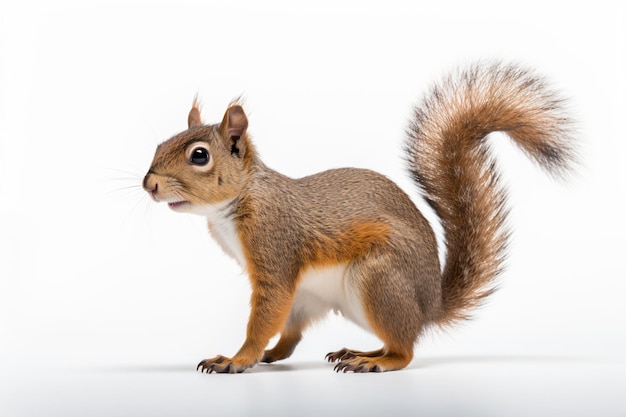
x=450, y=161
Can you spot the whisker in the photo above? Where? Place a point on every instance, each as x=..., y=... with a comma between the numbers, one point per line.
x=123, y=192
x=132, y=185
x=124, y=171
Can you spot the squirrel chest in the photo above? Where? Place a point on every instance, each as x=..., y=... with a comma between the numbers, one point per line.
x=222, y=227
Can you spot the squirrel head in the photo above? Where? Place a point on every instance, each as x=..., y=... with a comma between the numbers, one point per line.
x=203, y=166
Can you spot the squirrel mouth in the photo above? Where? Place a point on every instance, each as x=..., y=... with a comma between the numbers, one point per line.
x=177, y=204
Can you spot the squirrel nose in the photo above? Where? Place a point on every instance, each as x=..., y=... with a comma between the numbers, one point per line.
x=150, y=184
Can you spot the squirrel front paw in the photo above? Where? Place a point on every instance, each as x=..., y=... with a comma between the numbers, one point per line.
x=223, y=365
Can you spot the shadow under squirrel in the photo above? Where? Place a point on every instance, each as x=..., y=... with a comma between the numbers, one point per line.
x=351, y=240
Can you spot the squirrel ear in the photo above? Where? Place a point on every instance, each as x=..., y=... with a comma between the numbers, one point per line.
x=233, y=128
x=194, y=118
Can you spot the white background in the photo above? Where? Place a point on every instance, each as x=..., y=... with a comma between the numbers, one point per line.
x=107, y=301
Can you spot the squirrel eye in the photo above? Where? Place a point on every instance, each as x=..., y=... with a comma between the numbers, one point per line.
x=200, y=157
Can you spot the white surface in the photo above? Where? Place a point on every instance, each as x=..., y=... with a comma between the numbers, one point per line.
x=107, y=301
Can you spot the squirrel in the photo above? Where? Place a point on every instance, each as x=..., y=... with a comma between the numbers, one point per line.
x=350, y=240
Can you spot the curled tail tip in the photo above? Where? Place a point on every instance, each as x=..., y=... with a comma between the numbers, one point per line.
x=486, y=97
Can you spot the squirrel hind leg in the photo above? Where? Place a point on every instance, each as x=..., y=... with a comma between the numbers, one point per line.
x=387, y=292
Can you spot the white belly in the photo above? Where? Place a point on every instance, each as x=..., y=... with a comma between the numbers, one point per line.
x=329, y=288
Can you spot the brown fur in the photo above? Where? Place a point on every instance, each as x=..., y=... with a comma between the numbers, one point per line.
x=450, y=161
x=360, y=223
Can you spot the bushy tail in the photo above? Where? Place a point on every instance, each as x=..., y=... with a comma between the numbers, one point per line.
x=451, y=163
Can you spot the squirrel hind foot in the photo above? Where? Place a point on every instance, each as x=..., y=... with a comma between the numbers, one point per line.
x=373, y=361
x=346, y=353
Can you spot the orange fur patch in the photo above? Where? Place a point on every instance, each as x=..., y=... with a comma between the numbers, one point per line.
x=324, y=250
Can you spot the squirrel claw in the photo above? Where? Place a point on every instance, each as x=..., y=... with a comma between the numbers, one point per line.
x=356, y=365
x=341, y=355
x=221, y=365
